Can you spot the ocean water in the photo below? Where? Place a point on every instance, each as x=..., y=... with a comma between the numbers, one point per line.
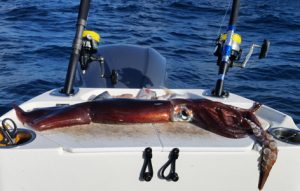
x=36, y=38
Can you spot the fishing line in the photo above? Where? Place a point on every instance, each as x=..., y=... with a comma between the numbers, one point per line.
x=226, y=12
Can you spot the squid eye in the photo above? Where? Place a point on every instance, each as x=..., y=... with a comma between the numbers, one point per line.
x=182, y=113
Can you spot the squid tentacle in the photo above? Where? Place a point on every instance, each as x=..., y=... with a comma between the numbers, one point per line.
x=269, y=151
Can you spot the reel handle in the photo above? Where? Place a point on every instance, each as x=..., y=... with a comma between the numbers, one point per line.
x=264, y=49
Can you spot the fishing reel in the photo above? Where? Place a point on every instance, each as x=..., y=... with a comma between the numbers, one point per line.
x=90, y=43
x=229, y=53
x=236, y=50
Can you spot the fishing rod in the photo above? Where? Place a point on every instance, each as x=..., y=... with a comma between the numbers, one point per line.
x=76, y=47
x=229, y=52
x=226, y=52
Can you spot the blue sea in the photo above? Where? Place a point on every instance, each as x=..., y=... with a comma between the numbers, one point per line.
x=36, y=39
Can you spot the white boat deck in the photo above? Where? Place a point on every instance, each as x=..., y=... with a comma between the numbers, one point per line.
x=135, y=137
x=109, y=157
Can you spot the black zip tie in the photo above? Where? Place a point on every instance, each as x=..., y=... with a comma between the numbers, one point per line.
x=147, y=175
x=173, y=156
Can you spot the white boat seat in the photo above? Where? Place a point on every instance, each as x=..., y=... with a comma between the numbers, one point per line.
x=136, y=66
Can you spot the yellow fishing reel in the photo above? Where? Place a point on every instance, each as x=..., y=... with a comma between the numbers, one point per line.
x=236, y=50
x=236, y=38
x=90, y=44
x=90, y=41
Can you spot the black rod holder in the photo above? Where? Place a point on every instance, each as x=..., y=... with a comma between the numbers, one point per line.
x=76, y=47
x=219, y=88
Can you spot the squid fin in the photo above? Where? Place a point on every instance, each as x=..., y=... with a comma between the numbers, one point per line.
x=21, y=114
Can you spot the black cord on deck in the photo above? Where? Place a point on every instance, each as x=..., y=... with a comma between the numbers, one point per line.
x=147, y=175
x=174, y=154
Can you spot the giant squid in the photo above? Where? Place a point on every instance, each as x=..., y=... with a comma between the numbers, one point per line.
x=219, y=118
